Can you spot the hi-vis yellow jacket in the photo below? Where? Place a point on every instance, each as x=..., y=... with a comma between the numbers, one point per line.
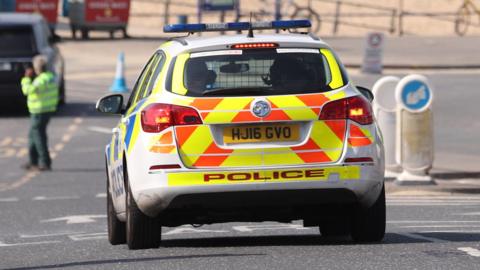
x=42, y=93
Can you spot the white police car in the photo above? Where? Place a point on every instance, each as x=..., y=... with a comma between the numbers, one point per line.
x=244, y=127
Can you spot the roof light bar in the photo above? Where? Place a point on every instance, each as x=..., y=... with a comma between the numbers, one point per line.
x=235, y=26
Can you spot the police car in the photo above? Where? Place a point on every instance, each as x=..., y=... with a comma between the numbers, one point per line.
x=244, y=128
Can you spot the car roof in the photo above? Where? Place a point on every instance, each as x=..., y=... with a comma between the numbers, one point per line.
x=19, y=18
x=196, y=43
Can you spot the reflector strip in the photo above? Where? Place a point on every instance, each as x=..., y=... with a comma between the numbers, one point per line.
x=165, y=167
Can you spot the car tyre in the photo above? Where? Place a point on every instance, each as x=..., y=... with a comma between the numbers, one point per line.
x=116, y=228
x=142, y=231
x=334, y=228
x=368, y=224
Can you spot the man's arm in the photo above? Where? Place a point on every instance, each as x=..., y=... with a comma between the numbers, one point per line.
x=27, y=82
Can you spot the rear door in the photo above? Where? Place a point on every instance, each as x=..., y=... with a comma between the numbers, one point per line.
x=259, y=108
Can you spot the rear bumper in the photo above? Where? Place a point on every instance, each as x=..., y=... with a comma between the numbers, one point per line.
x=156, y=194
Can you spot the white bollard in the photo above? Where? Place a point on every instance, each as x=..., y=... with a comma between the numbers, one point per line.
x=385, y=108
x=415, y=150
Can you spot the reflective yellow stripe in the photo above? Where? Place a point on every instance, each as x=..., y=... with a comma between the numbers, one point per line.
x=249, y=177
x=298, y=111
x=327, y=140
x=337, y=80
x=281, y=158
x=223, y=111
x=178, y=85
x=196, y=144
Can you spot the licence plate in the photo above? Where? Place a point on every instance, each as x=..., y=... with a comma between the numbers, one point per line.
x=5, y=66
x=254, y=134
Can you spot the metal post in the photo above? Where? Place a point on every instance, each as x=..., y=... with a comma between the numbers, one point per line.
x=199, y=11
x=336, y=20
x=400, y=17
x=278, y=15
x=167, y=12
x=237, y=10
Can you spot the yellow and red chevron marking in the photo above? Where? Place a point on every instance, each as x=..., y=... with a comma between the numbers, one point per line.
x=237, y=109
x=359, y=136
x=162, y=143
x=198, y=149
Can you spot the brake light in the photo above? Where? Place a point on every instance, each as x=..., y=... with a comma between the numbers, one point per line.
x=255, y=46
x=157, y=117
x=354, y=108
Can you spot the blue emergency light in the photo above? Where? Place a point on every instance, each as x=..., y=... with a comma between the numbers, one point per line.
x=235, y=26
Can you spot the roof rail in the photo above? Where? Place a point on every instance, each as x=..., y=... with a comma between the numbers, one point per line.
x=180, y=40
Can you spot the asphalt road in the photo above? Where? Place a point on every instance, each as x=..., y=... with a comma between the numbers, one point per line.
x=57, y=219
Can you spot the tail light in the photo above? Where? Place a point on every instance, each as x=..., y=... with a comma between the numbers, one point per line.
x=157, y=117
x=354, y=108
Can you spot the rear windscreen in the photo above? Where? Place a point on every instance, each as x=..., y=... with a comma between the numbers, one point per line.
x=17, y=41
x=259, y=72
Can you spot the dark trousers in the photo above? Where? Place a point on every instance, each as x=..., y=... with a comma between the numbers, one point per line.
x=37, y=139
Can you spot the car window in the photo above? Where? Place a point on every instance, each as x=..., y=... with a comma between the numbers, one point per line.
x=140, y=84
x=257, y=72
x=17, y=41
x=155, y=72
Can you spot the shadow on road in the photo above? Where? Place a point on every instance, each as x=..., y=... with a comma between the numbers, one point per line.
x=132, y=260
x=456, y=175
x=71, y=109
x=310, y=240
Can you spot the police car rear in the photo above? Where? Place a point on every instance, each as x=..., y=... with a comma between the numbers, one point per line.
x=253, y=128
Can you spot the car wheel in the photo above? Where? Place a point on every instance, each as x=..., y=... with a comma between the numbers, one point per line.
x=116, y=228
x=142, y=231
x=368, y=225
x=334, y=228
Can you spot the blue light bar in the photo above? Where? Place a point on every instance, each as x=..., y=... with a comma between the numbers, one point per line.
x=235, y=26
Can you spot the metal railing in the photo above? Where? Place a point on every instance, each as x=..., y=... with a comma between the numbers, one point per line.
x=343, y=12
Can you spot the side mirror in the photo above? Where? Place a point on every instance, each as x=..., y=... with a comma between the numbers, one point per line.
x=366, y=93
x=112, y=104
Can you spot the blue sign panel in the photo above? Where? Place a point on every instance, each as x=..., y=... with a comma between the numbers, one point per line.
x=213, y=5
x=416, y=95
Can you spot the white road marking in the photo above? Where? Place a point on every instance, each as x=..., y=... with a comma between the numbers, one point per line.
x=6, y=141
x=441, y=226
x=43, y=198
x=101, y=195
x=88, y=236
x=100, y=129
x=420, y=237
x=469, y=214
x=2, y=244
x=431, y=221
x=11, y=199
x=192, y=230
x=48, y=235
x=75, y=219
x=470, y=251
x=451, y=231
x=433, y=204
x=251, y=228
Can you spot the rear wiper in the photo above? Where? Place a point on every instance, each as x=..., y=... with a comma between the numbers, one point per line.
x=234, y=90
